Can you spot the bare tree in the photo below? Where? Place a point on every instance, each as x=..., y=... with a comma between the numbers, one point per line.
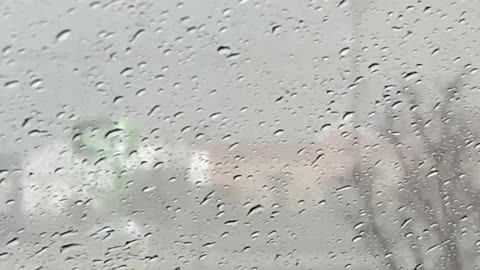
x=426, y=217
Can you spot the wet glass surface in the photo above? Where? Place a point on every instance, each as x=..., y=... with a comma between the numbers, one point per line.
x=239, y=134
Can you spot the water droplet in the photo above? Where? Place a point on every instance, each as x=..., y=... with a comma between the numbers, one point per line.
x=113, y=133
x=276, y=29
x=278, y=132
x=344, y=51
x=11, y=84
x=207, y=198
x=4, y=173
x=233, y=56
x=359, y=225
x=36, y=132
x=137, y=35
x=63, y=35
x=209, y=244
x=36, y=83
x=397, y=105
x=10, y=202
x=255, y=210
x=344, y=188
x=410, y=75
x=356, y=239
x=224, y=50
x=418, y=267
x=118, y=99
x=68, y=247
x=232, y=222
x=148, y=189
x=373, y=67
x=153, y=110
x=13, y=242
x=141, y=92
x=405, y=223
x=215, y=115
x=127, y=72
x=4, y=256
x=348, y=116
x=326, y=127
x=233, y=146
x=26, y=122
x=342, y=3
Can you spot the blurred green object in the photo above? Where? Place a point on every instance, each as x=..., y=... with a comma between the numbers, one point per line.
x=113, y=142
x=109, y=137
x=108, y=145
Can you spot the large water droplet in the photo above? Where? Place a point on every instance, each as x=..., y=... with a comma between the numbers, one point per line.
x=63, y=35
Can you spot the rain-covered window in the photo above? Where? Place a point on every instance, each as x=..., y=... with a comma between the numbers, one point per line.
x=239, y=134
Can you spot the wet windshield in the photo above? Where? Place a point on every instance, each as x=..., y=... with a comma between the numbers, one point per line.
x=241, y=134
